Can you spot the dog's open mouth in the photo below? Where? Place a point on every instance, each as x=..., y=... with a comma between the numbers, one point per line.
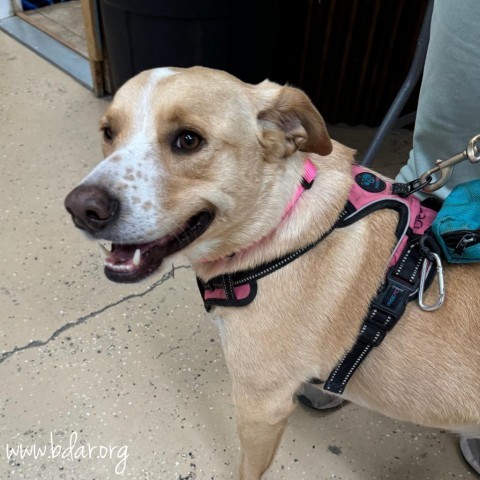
x=133, y=262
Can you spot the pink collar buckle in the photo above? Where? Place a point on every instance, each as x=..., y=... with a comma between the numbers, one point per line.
x=309, y=174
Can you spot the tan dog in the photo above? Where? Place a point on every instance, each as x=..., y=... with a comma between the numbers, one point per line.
x=201, y=162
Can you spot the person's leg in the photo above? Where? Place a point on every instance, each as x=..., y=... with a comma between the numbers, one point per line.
x=447, y=113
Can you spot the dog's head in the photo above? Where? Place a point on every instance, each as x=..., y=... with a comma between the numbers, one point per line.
x=195, y=160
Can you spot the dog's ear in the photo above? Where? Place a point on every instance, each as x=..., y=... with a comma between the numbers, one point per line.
x=290, y=122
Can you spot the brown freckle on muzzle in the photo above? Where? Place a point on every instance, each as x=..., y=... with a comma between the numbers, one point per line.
x=147, y=206
x=130, y=178
x=136, y=200
x=115, y=158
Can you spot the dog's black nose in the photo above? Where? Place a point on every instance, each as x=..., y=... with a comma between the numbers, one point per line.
x=91, y=208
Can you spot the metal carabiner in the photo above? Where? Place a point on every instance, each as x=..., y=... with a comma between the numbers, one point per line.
x=445, y=167
x=441, y=284
x=473, y=150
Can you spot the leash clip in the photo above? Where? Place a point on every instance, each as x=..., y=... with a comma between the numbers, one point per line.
x=406, y=189
x=434, y=258
x=445, y=167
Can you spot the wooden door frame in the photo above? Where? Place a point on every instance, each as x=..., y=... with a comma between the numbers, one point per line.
x=96, y=53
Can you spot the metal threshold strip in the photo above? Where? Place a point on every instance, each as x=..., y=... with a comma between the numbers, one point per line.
x=51, y=50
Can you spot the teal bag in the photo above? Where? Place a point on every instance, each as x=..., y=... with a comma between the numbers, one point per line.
x=457, y=225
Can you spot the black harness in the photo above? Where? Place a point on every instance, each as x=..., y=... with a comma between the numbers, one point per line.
x=401, y=285
x=228, y=282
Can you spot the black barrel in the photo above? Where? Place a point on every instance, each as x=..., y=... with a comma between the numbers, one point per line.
x=236, y=36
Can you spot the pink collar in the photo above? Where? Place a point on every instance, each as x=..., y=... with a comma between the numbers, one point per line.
x=309, y=174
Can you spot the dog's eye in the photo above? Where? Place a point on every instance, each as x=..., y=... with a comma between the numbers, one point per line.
x=107, y=133
x=188, y=140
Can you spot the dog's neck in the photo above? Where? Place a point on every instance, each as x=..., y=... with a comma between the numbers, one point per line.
x=309, y=174
x=308, y=214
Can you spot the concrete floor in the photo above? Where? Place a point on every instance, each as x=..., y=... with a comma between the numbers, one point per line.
x=88, y=365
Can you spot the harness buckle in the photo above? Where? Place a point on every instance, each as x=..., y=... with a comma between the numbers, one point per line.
x=394, y=294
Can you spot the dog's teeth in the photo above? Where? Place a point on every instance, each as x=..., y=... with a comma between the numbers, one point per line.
x=119, y=268
x=104, y=251
x=136, y=257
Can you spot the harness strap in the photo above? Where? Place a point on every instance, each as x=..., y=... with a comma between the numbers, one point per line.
x=240, y=288
x=400, y=287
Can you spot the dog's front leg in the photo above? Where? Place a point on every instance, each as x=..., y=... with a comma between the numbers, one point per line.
x=261, y=421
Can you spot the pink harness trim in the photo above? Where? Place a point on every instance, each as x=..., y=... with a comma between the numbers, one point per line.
x=241, y=292
x=419, y=217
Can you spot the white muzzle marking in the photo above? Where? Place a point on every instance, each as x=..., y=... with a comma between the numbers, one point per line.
x=133, y=174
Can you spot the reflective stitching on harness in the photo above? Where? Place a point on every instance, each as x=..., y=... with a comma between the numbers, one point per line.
x=358, y=360
x=407, y=223
x=228, y=287
x=403, y=260
x=354, y=366
x=337, y=368
x=385, y=323
x=416, y=268
x=272, y=268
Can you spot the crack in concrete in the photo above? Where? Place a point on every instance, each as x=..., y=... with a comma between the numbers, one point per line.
x=40, y=343
x=171, y=349
x=161, y=354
